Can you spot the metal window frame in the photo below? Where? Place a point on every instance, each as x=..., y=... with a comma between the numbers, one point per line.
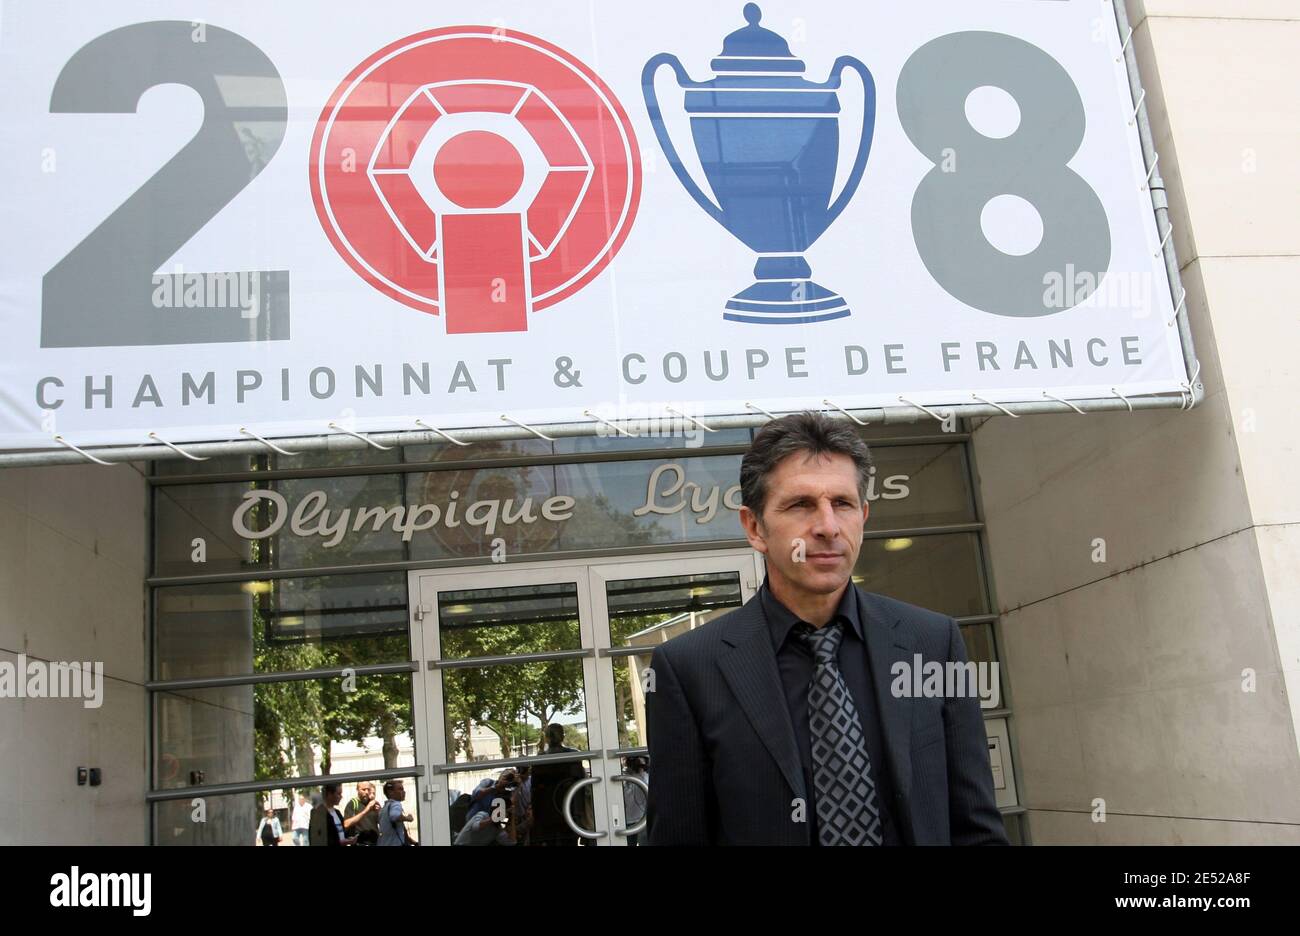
x=260, y=679
x=1007, y=708
x=960, y=438
x=287, y=783
x=155, y=687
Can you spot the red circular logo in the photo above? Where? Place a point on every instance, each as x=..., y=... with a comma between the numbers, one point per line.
x=475, y=173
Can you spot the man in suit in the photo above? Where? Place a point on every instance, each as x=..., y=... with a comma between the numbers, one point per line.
x=327, y=826
x=776, y=723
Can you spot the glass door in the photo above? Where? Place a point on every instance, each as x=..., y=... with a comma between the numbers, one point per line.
x=637, y=606
x=531, y=690
x=507, y=688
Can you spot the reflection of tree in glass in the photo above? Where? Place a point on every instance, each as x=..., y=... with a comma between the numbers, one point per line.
x=379, y=708
x=514, y=699
x=490, y=639
x=624, y=689
x=594, y=521
x=290, y=717
x=624, y=711
x=599, y=523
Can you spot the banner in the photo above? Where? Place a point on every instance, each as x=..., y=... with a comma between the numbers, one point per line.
x=295, y=218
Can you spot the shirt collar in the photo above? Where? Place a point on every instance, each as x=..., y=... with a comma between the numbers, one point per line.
x=781, y=619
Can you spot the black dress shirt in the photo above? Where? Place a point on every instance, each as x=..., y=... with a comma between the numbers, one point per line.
x=795, y=664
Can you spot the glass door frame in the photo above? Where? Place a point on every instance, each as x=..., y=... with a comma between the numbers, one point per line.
x=590, y=577
x=742, y=561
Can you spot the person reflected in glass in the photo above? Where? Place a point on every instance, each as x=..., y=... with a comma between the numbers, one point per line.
x=393, y=817
x=326, y=820
x=301, y=820
x=489, y=793
x=634, y=797
x=523, y=805
x=361, y=817
x=268, y=830
x=551, y=782
x=483, y=830
x=490, y=816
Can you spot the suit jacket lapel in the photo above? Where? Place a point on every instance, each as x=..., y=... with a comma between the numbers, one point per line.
x=885, y=647
x=751, y=672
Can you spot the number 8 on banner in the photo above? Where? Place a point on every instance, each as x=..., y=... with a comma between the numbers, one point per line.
x=1031, y=163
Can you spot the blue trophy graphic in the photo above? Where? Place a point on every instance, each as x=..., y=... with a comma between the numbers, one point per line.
x=768, y=140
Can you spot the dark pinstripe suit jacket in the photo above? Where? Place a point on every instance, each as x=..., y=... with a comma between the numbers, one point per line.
x=724, y=766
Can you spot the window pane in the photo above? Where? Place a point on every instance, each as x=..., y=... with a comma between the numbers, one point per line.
x=979, y=643
x=515, y=510
x=498, y=621
x=919, y=485
x=237, y=820
x=940, y=572
x=635, y=503
x=519, y=805
x=280, y=625
x=642, y=610
x=475, y=513
x=922, y=427
x=302, y=523
x=538, y=509
x=500, y=711
x=981, y=649
x=282, y=729
x=1015, y=826
x=649, y=611
x=629, y=699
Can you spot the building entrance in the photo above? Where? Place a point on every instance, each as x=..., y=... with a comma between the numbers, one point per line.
x=530, y=690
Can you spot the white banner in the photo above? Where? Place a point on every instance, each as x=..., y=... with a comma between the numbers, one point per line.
x=277, y=216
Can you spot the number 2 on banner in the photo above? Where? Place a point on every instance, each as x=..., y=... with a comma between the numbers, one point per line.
x=103, y=292
x=1031, y=163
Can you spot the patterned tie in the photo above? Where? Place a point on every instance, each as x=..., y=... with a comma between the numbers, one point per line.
x=846, y=795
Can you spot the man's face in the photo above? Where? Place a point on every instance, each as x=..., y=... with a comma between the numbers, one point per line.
x=333, y=797
x=811, y=528
x=399, y=792
x=366, y=791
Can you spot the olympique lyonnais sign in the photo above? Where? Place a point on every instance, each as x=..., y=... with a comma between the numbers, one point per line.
x=293, y=215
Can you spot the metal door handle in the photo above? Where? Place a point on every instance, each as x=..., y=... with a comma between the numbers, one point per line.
x=567, y=808
x=633, y=829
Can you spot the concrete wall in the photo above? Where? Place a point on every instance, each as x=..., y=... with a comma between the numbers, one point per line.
x=1127, y=675
x=73, y=544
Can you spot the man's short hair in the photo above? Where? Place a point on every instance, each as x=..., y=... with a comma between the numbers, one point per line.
x=809, y=433
x=390, y=786
x=328, y=788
